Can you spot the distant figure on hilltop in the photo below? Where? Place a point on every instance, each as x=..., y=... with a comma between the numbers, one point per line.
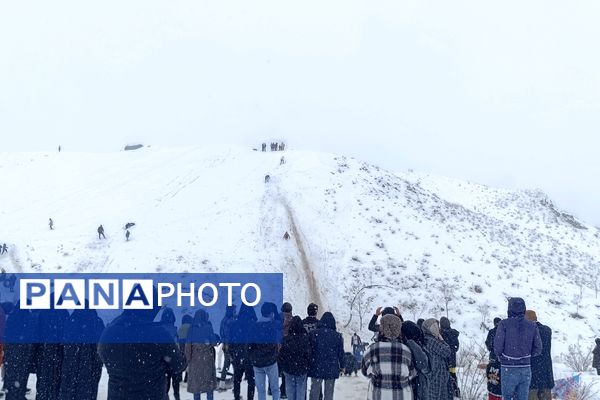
x=59, y=148
x=282, y=146
x=286, y=236
x=51, y=223
x=127, y=233
x=282, y=161
x=4, y=249
x=264, y=147
x=101, y=232
x=267, y=178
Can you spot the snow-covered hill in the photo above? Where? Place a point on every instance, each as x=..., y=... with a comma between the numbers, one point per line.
x=411, y=239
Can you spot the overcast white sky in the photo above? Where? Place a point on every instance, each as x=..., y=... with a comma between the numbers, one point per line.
x=503, y=93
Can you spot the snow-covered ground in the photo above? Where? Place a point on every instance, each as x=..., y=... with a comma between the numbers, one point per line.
x=409, y=239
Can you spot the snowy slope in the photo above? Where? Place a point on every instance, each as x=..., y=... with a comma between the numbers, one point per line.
x=412, y=236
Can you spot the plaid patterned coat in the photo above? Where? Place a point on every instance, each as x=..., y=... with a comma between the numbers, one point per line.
x=437, y=382
x=389, y=366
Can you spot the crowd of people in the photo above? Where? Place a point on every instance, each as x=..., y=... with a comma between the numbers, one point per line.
x=278, y=353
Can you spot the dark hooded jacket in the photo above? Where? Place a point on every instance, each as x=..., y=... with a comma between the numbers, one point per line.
x=239, y=333
x=450, y=336
x=326, y=349
x=294, y=354
x=138, y=371
x=82, y=367
x=517, y=340
x=542, y=375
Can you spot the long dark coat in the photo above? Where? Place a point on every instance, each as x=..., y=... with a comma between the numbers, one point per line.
x=49, y=356
x=326, y=349
x=436, y=383
x=81, y=367
x=200, y=355
x=138, y=371
x=17, y=356
x=542, y=375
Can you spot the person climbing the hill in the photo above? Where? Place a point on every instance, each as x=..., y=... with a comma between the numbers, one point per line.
x=127, y=233
x=282, y=161
x=101, y=232
x=267, y=178
x=517, y=341
x=451, y=338
x=282, y=146
x=286, y=236
x=264, y=147
x=4, y=249
x=51, y=223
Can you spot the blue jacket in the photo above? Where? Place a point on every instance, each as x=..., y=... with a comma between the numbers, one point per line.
x=517, y=340
x=326, y=349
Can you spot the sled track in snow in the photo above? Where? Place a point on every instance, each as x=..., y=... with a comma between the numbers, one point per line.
x=313, y=288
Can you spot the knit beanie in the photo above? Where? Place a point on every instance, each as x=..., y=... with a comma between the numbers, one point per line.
x=530, y=315
x=390, y=326
x=431, y=325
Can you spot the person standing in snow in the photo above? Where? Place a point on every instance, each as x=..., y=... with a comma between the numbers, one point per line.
x=450, y=336
x=357, y=347
x=17, y=352
x=542, y=375
x=50, y=355
x=596, y=359
x=311, y=321
x=412, y=336
x=4, y=248
x=286, y=315
x=239, y=350
x=389, y=364
x=327, y=357
x=167, y=320
x=437, y=382
x=101, y=232
x=294, y=357
x=51, y=224
x=225, y=333
x=381, y=312
x=200, y=354
x=81, y=365
x=127, y=233
x=517, y=341
x=489, y=340
x=139, y=370
x=264, y=351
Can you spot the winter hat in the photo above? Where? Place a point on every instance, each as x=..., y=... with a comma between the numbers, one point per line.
x=388, y=311
x=530, y=315
x=390, y=326
x=411, y=331
x=445, y=323
x=312, y=309
x=431, y=325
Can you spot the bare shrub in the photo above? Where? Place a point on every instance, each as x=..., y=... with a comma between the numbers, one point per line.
x=586, y=391
x=471, y=379
x=578, y=359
